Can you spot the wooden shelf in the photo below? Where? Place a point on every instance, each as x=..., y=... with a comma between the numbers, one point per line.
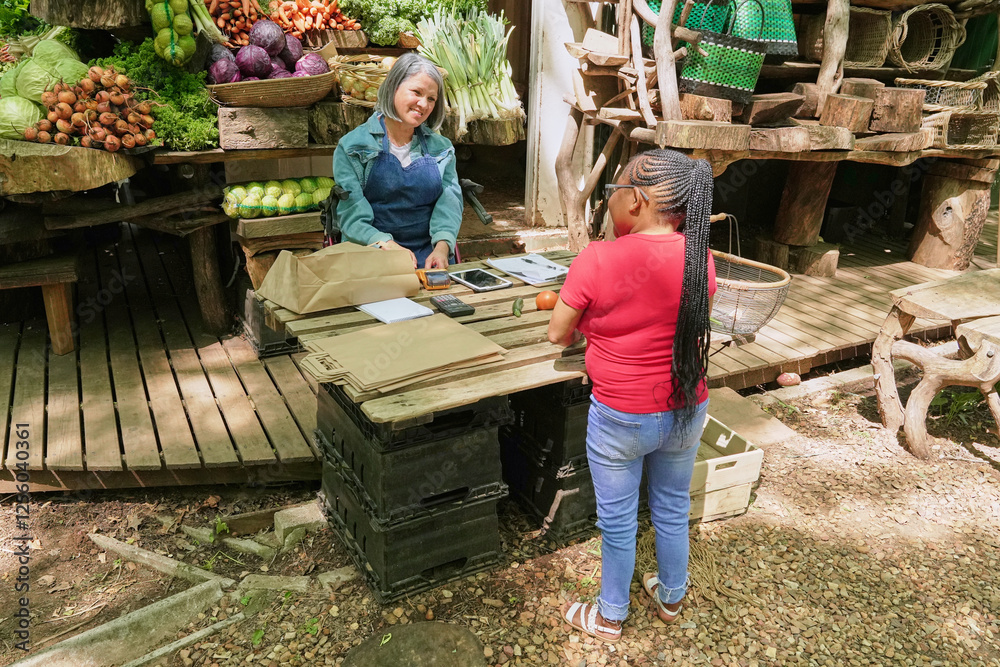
x=280, y=225
x=219, y=155
x=27, y=167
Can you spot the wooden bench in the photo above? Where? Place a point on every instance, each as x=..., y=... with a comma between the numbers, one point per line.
x=55, y=275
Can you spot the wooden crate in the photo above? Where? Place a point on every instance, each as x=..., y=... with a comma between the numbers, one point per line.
x=246, y=128
x=720, y=504
x=725, y=459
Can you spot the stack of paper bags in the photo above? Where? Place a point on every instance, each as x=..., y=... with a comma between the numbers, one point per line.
x=340, y=275
x=393, y=356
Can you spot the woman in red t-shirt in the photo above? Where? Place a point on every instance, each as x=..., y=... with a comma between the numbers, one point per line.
x=643, y=302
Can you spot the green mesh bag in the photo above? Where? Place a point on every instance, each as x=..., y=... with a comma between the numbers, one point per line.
x=773, y=26
x=732, y=64
x=703, y=16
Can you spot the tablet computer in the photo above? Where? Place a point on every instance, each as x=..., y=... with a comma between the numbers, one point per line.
x=479, y=280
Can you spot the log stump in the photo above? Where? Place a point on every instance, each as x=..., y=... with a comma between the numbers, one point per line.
x=848, y=111
x=897, y=110
x=953, y=209
x=859, y=87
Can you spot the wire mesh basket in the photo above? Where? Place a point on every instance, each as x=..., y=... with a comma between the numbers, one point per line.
x=749, y=293
x=925, y=37
x=964, y=129
x=948, y=95
x=869, y=31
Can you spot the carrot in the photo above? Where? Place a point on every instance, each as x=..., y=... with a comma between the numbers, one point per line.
x=212, y=7
x=221, y=22
x=282, y=15
x=246, y=6
x=299, y=23
x=256, y=6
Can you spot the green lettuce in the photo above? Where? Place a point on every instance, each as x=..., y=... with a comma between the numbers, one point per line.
x=17, y=114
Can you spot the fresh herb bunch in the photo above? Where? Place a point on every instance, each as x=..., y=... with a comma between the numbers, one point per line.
x=383, y=20
x=188, y=118
x=15, y=19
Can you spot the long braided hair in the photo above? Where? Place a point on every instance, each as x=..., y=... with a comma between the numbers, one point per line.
x=680, y=187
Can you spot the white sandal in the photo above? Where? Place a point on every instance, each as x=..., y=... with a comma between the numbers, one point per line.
x=650, y=582
x=588, y=624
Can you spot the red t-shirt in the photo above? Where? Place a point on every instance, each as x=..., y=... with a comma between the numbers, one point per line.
x=630, y=290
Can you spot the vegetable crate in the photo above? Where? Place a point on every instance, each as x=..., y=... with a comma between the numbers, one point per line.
x=404, y=483
x=266, y=340
x=417, y=554
x=725, y=471
x=486, y=413
x=551, y=422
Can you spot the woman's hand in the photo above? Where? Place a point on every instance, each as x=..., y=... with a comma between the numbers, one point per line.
x=438, y=259
x=392, y=245
x=562, y=325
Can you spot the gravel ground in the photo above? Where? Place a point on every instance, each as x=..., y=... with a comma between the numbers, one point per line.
x=852, y=553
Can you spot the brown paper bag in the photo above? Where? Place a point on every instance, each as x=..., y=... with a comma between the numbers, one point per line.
x=340, y=275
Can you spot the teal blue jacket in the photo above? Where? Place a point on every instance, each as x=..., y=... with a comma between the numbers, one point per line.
x=352, y=163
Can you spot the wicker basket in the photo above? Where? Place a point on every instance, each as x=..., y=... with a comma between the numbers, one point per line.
x=964, y=129
x=749, y=294
x=925, y=38
x=991, y=94
x=288, y=92
x=948, y=95
x=868, y=42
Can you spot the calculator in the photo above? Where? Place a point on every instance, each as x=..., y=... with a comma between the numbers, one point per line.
x=451, y=305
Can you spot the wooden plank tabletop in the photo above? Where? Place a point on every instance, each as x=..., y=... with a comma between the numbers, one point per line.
x=9, y=336
x=970, y=295
x=29, y=395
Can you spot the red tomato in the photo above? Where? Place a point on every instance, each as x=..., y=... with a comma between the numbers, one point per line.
x=546, y=300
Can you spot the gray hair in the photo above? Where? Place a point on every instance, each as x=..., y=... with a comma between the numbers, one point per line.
x=408, y=65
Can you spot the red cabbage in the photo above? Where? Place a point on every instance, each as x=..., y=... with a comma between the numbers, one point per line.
x=299, y=72
x=219, y=52
x=223, y=71
x=251, y=78
x=312, y=63
x=280, y=74
x=277, y=64
x=292, y=51
x=268, y=35
x=253, y=61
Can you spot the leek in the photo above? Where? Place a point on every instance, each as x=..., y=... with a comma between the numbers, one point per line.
x=473, y=51
x=205, y=22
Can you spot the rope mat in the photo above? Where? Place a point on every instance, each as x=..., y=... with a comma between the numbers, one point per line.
x=704, y=578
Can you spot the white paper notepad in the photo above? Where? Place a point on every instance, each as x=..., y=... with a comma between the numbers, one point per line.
x=395, y=310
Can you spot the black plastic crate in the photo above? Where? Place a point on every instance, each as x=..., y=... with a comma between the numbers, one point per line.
x=416, y=555
x=400, y=484
x=562, y=498
x=554, y=432
x=336, y=410
x=266, y=341
x=568, y=392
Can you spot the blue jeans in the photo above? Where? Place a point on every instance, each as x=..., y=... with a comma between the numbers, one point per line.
x=617, y=444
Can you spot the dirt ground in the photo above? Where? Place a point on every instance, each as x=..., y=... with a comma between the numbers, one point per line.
x=852, y=553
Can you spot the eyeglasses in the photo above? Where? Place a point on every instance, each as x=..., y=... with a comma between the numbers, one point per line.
x=609, y=189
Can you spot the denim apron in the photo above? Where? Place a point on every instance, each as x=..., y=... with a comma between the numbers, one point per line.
x=403, y=198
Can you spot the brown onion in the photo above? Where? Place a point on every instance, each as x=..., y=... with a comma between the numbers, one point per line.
x=122, y=82
x=133, y=118
x=64, y=126
x=87, y=142
x=107, y=119
x=103, y=107
x=150, y=135
x=44, y=137
x=128, y=141
x=79, y=107
x=146, y=121
x=50, y=99
x=58, y=88
x=95, y=73
x=140, y=139
x=78, y=120
x=111, y=144
x=64, y=110
x=90, y=115
x=108, y=80
x=61, y=138
x=98, y=133
x=103, y=96
x=30, y=134
x=44, y=124
x=121, y=127
x=52, y=116
x=144, y=107
x=87, y=86
x=117, y=99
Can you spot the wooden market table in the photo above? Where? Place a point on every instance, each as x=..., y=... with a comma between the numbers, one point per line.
x=970, y=301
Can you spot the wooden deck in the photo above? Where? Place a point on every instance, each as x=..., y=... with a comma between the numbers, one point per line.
x=150, y=399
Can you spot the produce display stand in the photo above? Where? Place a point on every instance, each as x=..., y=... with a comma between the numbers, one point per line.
x=29, y=168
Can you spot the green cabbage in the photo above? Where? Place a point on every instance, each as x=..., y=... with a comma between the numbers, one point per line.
x=8, y=82
x=71, y=71
x=33, y=80
x=16, y=114
x=49, y=53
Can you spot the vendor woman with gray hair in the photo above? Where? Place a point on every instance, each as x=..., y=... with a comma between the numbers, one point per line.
x=399, y=172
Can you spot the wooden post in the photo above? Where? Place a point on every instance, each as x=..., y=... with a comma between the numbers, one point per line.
x=896, y=324
x=800, y=213
x=831, y=70
x=208, y=282
x=640, y=82
x=897, y=110
x=666, y=70
x=58, y=299
x=819, y=260
x=848, y=111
